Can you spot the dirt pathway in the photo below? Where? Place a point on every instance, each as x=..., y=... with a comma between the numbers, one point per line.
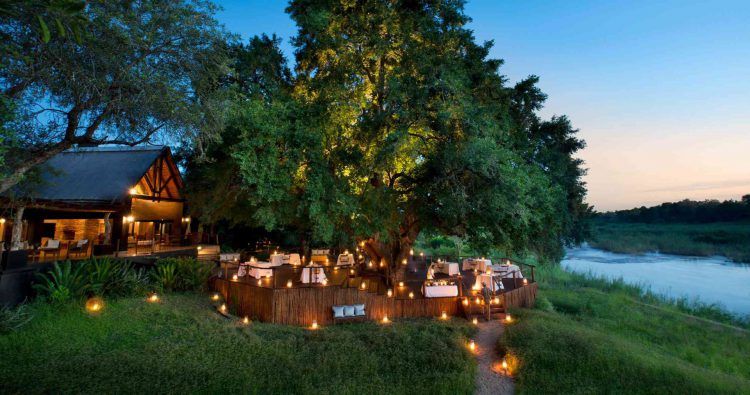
x=488, y=381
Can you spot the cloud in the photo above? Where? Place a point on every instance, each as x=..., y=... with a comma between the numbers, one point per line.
x=702, y=186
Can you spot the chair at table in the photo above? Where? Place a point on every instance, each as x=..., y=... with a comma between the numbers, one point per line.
x=51, y=246
x=80, y=247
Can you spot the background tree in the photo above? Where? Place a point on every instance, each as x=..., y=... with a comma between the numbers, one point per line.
x=142, y=71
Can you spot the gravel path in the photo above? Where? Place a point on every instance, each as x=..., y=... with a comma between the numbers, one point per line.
x=487, y=381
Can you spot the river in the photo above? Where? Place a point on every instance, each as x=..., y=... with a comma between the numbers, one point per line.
x=708, y=279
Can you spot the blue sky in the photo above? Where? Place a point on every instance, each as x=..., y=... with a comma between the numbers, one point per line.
x=660, y=90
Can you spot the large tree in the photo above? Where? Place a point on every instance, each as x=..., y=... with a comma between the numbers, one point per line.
x=135, y=72
x=395, y=123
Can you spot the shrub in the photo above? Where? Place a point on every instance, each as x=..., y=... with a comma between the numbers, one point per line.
x=12, y=319
x=107, y=276
x=165, y=275
x=182, y=274
x=63, y=283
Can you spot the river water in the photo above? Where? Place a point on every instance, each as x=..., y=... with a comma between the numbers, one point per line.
x=709, y=279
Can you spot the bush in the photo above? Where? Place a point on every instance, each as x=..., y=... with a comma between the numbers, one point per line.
x=165, y=275
x=12, y=319
x=182, y=274
x=63, y=283
x=107, y=276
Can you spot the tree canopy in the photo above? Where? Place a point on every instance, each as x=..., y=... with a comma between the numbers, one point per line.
x=112, y=72
x=395, y=122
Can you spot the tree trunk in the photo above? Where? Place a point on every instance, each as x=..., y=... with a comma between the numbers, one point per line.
x=107, y=229
x=38, y=158
x=15, y=238
x=396, y=249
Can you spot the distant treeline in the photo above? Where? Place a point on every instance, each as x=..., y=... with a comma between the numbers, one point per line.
x=685, y=211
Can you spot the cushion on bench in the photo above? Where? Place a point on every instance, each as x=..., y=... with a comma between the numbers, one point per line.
x=338, y=311
x=359, y=309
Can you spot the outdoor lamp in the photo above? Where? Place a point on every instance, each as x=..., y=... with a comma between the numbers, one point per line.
x=94, y=305
x=314, y=325
x=411, y=295
x=472, y=345
x=133, y=191
x=390, y=293
x=508, y=318
x=153, y=298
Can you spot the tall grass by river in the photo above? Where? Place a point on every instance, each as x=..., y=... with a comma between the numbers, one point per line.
x=730, y=239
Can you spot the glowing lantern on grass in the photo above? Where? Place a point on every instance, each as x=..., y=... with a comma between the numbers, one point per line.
x=246, y=320
x=153, y=298
x=508, y=318
x=475, y=321
x=472, y=345
x=215, y=296
x=385, y=319
x=94, y=305
x=444, y=315
x=223, y=308
x=314, y=325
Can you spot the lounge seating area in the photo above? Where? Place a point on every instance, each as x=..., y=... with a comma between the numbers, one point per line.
x=284, y=288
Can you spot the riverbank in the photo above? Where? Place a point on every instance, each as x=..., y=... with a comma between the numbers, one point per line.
x=590, y=335
x=729, y=239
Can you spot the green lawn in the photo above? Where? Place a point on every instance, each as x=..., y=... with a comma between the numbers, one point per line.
x=591, y=336
x=730, y=239
x=181, y=346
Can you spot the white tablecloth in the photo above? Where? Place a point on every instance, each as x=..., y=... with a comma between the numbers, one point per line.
x=317, y=275
x=292, y=259
x=507, y=270
x=479, y=264
x=449, y=268
x=438, y=291
x=345, y=260
x=277, y=259
x=488, y=280
x=261, y=269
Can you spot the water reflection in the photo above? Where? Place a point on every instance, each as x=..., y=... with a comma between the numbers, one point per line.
x=710, y=280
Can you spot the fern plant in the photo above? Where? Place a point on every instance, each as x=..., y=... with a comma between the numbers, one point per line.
x=64, y=282
x=165, y=276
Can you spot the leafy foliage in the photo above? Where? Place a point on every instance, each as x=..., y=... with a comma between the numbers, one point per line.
x=181, y=274
x=685, y=211
x=396, y=122
x=63, y=283
x=107, y=276
x=142, y=71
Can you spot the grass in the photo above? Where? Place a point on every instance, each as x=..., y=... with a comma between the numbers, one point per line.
x=181, y=345
x=595, y=336
x=730, y=239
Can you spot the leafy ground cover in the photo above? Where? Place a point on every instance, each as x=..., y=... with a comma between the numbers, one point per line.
x=181, y=345
x=594, y=336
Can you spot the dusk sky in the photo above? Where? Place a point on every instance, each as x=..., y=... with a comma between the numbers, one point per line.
x=659, y=90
